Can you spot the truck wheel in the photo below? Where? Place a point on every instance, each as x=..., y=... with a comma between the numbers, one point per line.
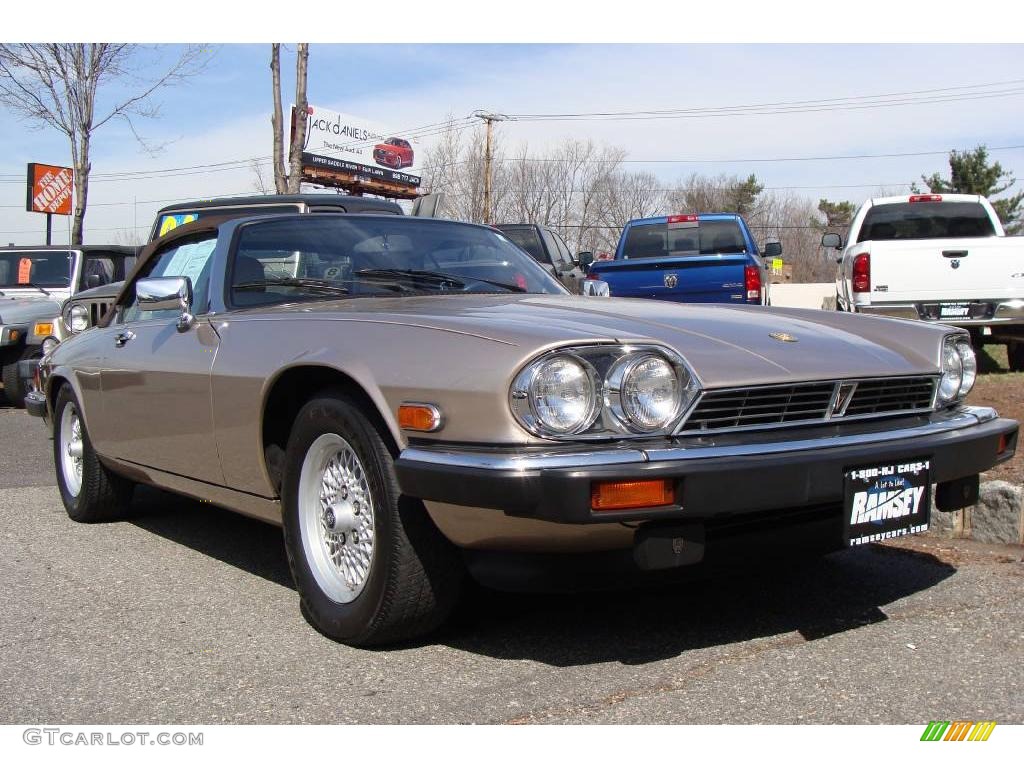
x=91, y=493
x=14, y=390
x=368, y=563
x=1015, y=356
x=12, y=386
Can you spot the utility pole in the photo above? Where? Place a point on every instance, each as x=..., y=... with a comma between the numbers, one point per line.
x=489, y=119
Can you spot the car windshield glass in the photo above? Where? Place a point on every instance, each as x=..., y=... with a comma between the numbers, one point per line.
x=652, y=241
x=294, y=259
x=35, y=268
x=925, y=220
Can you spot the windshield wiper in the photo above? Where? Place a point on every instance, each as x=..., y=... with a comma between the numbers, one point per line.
x=38, y=288
x=292, y=282
x=437, y=278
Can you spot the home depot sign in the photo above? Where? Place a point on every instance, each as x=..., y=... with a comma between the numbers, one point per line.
x=49, y=189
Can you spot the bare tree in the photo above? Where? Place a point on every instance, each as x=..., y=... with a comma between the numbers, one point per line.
x=259, y=183
x=66, y=86
x=289, y=181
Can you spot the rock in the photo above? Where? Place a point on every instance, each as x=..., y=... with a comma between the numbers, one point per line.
x=946, y=525
x=998, y=517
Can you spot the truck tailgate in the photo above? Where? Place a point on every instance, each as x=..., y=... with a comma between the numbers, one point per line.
x=697, y=279
x=947, y=269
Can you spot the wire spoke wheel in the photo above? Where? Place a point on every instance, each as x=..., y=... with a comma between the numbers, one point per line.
x=336, y=517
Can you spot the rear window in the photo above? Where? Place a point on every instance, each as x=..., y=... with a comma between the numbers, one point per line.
x=528, y=240
x=651, y=241
x=924, y=221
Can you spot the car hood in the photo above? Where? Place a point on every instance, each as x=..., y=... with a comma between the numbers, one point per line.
x=725, y=345
x=108, y=291
x=24, y=309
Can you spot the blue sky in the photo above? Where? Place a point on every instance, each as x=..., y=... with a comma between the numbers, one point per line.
x=224, y=113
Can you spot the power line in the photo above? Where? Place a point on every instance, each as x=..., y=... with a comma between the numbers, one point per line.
x=899, y=98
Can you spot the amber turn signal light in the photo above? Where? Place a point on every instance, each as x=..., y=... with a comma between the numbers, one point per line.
x=631, y=494
x=419, y=417
x=43, y=329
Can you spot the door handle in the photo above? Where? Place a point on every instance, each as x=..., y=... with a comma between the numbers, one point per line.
x=954, y=254
x=123, y=338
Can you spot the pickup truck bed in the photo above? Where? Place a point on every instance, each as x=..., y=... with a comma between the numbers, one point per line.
x=937, y=258
x=694, y=258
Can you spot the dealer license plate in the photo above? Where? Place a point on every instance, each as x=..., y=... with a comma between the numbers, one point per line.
x=883, y=501
x=954, y=311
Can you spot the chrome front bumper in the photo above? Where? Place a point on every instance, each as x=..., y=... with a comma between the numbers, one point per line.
x=714, y=475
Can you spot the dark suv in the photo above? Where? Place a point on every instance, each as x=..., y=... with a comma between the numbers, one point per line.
x=549, y=250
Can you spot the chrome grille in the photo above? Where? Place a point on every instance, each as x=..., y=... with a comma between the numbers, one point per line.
x=820, y=401
x=888, y=395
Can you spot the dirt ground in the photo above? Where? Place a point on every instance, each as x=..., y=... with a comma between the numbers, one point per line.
x=1004, y=391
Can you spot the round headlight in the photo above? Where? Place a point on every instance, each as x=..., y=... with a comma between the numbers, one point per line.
x=969, y=362
x=79, y=318
x=645, y=392
x=952, y=371
x=49, y=344
x=561, y=393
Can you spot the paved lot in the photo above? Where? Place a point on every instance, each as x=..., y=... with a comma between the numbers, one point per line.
x=187, y=614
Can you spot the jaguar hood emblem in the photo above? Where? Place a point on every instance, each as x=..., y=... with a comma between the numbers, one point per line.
x=782, y=336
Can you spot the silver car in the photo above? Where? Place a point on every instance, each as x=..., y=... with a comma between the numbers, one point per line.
x=414, y=400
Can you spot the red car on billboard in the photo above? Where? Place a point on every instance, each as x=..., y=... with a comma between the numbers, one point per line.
x=393, y=153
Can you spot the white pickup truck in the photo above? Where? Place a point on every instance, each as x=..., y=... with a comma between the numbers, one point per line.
x=938, y=258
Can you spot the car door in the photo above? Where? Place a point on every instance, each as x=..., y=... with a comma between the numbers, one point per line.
x=561, y=260
x=155, y=378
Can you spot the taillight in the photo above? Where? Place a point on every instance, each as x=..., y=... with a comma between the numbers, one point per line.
x=752, y=283
x=926, y=198
x=862, y=273
x=593, y=276
x=682, y=218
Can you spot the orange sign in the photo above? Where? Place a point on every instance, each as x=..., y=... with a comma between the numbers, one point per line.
x=24, y=271
x=49, y=189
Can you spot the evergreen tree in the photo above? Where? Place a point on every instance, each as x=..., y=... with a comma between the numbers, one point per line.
x=972, y=174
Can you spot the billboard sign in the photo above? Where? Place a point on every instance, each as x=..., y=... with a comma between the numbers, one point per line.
x=49, y=189
x=339, y=142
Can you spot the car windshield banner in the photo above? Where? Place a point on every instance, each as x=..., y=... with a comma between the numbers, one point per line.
x=339, y=142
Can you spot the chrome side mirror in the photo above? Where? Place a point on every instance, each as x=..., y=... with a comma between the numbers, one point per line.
x=595, y=288
x=156, y=294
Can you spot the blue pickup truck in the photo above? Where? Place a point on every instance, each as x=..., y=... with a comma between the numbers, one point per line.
x=707, y=257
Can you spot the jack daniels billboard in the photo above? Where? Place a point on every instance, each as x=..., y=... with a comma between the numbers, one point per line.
x=339, y=142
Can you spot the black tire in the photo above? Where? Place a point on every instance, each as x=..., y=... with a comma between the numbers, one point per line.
x=1015, y=356
x=102, y=494
x=415, y=575
x=12, y=386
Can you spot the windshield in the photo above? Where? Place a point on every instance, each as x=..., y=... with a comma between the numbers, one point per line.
x=651, y=241
x=292, y=259
x=924, y=221
x=48, y=269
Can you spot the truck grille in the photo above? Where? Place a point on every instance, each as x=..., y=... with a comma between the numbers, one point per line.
x=97, y=309
x=819, y=401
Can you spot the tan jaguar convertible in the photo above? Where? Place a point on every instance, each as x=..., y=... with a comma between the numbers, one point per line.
x=411, y=399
